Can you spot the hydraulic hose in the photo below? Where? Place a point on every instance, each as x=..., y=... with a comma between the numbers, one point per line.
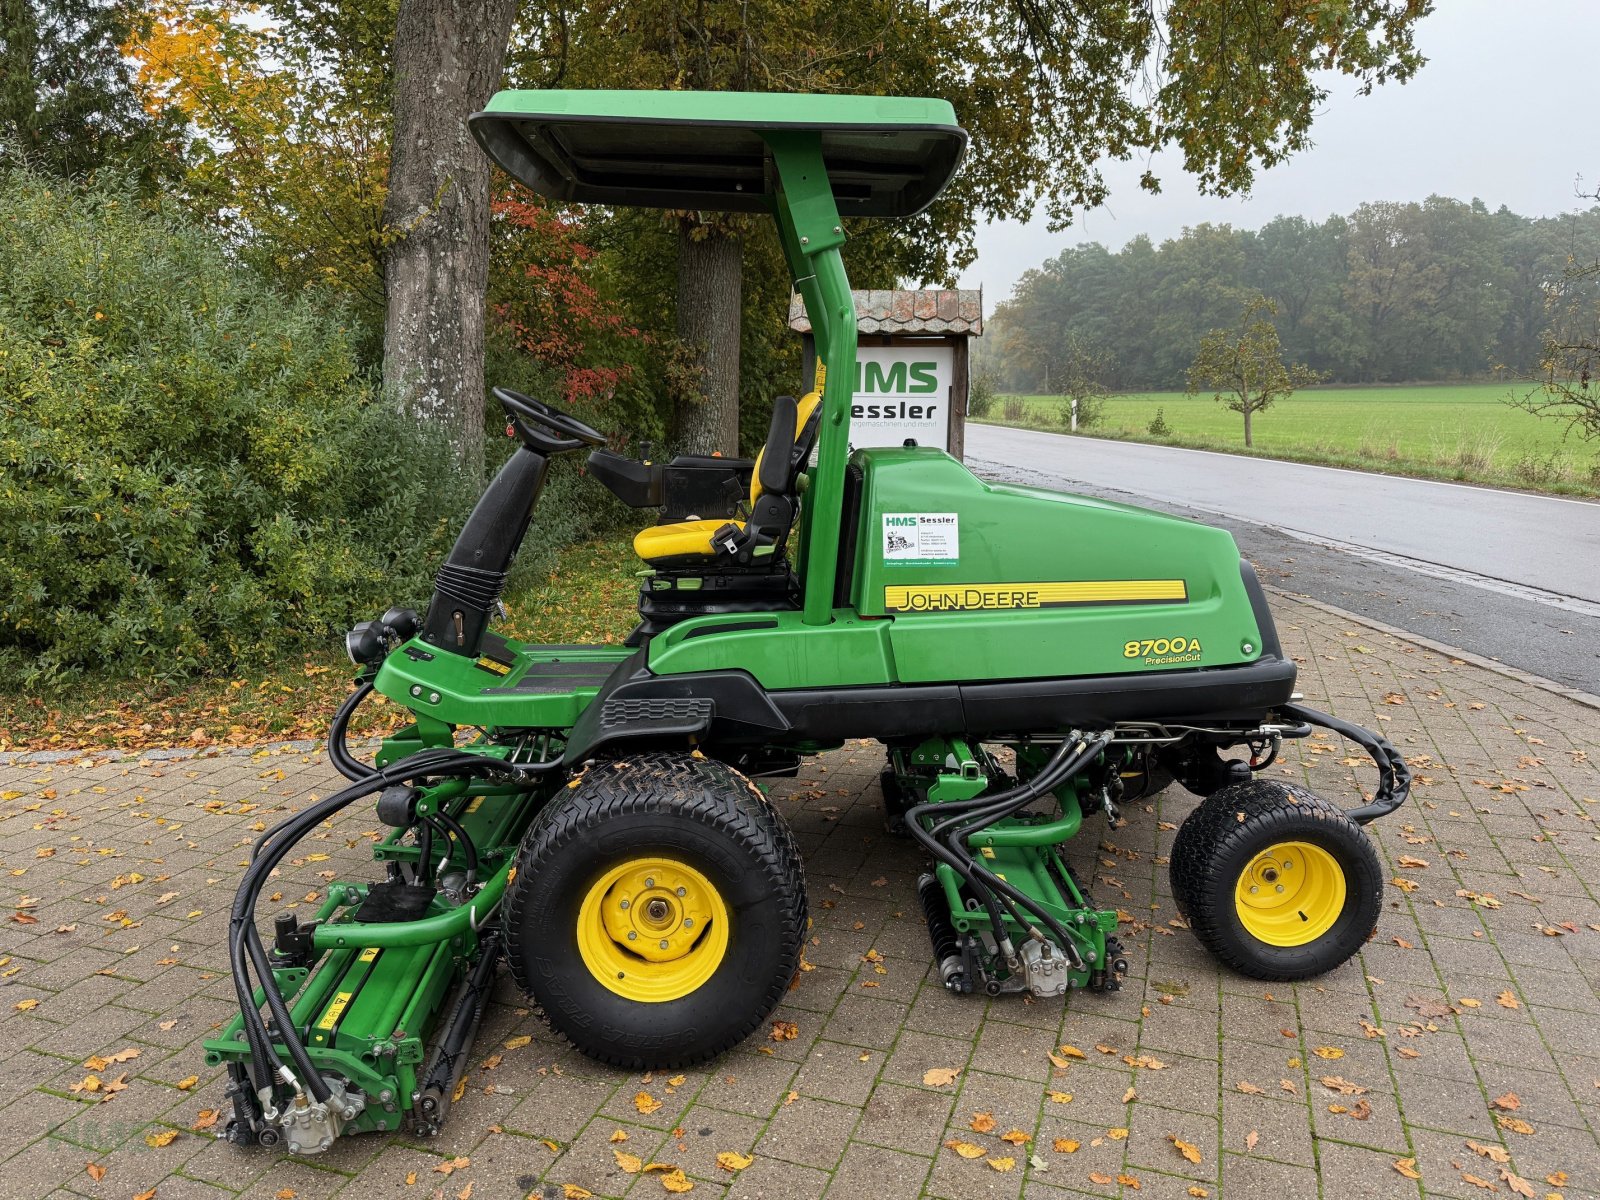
x=245, y=940
x=960, y=860
x=338, y=748
x=1070, y=757
x=1394, y=776
x=470, y=852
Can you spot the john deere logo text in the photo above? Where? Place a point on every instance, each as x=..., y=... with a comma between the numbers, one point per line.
x=969, y=596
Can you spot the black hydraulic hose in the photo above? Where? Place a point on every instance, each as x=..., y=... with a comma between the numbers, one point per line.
x=338, y=748
x=245, y=940
x=960, y=859
x=1069, y=758
x=1085, y=751
x=241, y=924
x=256, y=846
x=424, y=852
x=470, y=852
x=1394, y=776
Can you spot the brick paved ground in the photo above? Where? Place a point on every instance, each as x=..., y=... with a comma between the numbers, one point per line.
x=1482, y=981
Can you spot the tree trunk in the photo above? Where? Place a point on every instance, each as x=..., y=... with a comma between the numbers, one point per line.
x=709, y=305
x=448, y=55
x=1248, y=443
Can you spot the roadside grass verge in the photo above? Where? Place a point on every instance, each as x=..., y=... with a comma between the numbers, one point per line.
x=589, y=596
x=1464, y=432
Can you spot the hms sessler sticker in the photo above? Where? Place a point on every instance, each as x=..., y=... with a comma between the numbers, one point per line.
x=921, y=538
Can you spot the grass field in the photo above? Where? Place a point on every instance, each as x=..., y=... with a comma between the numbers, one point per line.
x=1457, y=431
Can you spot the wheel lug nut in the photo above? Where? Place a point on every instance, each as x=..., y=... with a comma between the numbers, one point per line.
x=681, y=893
x=688, y=922
x=632, y=935
x=649, y=883
x=1280, y=887
x=1254, y=889
x=663, y=943
x=624, y=904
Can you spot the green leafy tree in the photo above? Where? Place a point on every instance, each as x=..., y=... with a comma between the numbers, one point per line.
x=1243, y=366
x=1048, y=90
x=1570, y=364
x=67, y=102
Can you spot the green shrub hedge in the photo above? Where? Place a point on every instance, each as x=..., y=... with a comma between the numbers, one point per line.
x=194, y=471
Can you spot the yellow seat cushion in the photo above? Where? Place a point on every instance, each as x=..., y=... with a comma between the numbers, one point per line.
x=679, y=539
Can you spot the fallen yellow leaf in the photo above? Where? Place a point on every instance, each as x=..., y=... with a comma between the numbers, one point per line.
x=940, y=1076
x=1328, y=1052
x=1187, y=1149
x=571, y=1191
x=96, y=1171
x=1065, y=1146
x=981, y=1123
x=677, y=1181
x=732, y=1160
x=1003, y=1164
x=645, y=1102
x=965, y=1149
x=159, y=1138
x=188, y=1082
x=631, y=1164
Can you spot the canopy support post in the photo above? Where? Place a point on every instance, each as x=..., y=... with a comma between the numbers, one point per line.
x=812, y=233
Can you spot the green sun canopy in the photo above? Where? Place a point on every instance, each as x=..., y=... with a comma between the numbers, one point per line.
x=886, y=156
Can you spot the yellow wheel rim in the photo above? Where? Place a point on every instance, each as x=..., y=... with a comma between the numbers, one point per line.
x=1290, y=894
x=652, y=929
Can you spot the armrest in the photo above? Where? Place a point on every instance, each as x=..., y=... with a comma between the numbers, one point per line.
x=637, y=484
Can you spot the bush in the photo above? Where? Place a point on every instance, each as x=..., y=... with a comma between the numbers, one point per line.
x=1014, y=409
x=193, y=471
x=1158, y=426
x=981, y=394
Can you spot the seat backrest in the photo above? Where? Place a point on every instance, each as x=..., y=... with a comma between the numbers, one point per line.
x=789, y=442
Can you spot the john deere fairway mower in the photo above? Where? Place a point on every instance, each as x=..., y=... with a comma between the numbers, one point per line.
x=1028, y=659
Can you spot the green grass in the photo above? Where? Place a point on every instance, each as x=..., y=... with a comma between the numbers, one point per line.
x=1455, y=431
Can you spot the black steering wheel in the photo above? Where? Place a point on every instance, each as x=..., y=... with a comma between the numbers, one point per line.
x=546, y=429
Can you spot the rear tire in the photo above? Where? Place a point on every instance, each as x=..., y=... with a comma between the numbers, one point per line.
x=658, y=911
x=1276, y=882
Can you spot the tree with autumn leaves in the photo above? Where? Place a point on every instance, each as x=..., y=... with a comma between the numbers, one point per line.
x=329, y=143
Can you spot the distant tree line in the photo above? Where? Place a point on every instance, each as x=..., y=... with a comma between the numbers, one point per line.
x=1441, y=290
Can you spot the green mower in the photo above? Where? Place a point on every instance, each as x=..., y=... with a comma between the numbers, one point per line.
x=588, y=813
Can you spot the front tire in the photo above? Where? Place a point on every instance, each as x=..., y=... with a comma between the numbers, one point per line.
x=658, y=911
x=1276, y=882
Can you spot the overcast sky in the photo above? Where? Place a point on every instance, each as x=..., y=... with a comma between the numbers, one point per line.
x=1504, y=110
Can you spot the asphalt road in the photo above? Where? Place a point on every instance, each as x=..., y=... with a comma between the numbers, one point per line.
x=1511, y=576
